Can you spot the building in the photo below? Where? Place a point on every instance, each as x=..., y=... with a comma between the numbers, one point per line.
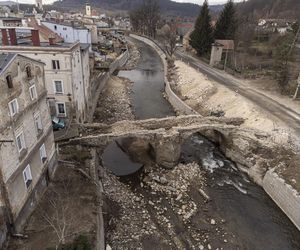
x=10, y=21
x=88, y=9
x=39, y=4
x=66, y=73
x=27, y=155
x=70, y=32
x=218, y=49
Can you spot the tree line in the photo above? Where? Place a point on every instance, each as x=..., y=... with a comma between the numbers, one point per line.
x=204, y=33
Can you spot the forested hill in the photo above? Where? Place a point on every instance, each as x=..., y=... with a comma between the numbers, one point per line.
x=271, y=8
x=167, y=6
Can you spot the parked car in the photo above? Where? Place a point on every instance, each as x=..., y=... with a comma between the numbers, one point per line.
x=57, y=123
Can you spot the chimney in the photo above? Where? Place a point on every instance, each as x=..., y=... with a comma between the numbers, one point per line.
x=35, y=37
x=51, y=40
x=4, y=37
x=13, y=36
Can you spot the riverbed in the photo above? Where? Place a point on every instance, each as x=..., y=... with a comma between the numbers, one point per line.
x=238, y=215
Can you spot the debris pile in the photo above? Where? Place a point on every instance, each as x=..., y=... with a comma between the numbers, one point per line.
x=114, y=102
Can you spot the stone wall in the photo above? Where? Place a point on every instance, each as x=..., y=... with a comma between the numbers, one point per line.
x=284, y=195
x=98, y=83
x=179, y=105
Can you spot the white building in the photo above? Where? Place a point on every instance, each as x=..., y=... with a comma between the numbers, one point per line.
x=67, y=75
x=88, y=9
x=70, y=32
x=27, y=155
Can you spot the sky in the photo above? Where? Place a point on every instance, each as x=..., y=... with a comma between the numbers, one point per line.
x=187, y=1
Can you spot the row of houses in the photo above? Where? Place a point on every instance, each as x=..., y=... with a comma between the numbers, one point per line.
x=40, y=79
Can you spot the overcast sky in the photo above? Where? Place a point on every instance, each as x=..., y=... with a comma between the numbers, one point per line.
x=188, y=1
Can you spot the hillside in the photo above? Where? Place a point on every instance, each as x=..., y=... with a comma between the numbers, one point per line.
x=167, y=7
x=271, y=8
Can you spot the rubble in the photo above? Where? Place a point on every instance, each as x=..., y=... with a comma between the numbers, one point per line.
x=134, y=57
x=114, y=102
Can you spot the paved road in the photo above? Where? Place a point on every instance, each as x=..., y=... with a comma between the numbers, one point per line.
x=284, y=113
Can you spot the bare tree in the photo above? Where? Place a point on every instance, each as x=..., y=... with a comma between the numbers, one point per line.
x=59, y=215
x=145, y=18
x=169, y=36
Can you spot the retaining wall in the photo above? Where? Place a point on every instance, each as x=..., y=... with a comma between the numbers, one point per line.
x=287, y=198
x=176, y=102
x=99, y=82
x=284, y=195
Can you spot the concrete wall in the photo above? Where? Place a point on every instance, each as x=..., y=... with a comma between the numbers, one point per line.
x=176, y=102
x=284, y=195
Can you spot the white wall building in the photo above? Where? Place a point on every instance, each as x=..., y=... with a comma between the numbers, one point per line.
x=70, y=33
x=67, y=76
x=28, y=157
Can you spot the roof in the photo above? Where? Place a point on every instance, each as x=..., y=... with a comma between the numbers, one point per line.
x=84, y=46
x=227, y=44
x=5, y=60
x=73, y=25
x=44, y=31
x=4, y=18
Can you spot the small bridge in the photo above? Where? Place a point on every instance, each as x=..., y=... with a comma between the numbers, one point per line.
x=164, y=135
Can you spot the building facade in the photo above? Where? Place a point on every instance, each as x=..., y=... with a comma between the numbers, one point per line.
x=28, y=154
x=70, y=32
x=67, y=75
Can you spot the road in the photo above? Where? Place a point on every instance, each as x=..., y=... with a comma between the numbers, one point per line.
x=290, y=117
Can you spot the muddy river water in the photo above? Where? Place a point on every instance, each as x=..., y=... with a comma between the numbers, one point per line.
x=251, y=215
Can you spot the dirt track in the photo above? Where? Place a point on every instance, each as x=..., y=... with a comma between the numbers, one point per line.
x=284, y=113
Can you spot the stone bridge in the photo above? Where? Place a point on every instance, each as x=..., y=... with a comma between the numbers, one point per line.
x=165, y=135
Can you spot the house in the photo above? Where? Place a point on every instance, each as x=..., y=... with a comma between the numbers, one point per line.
x=70, y=32
x=10, y=21
x=217, y=50
x=66, y=72
x=27, y=155
x=269, y=26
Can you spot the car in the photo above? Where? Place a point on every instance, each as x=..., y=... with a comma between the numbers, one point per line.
x=57, y=123
x=179, y=45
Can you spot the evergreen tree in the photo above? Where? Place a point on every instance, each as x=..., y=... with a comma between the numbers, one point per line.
x=202, y=36
x=226, y=25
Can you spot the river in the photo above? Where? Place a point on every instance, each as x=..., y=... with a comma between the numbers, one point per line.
x=250, y=214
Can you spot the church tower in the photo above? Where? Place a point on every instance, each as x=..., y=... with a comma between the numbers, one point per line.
x=39, y=4
x=88, y=9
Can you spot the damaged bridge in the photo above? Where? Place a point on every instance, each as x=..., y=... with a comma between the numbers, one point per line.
x=164, y=135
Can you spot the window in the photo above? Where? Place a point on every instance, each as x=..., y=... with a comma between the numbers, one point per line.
x=61, y=109
x=27, y=176
x=58, y=87
x=33, y=93
x=55, y=64
x=13, y=107
x=55, y=27
x=9, y=82
x=20, y=141
x=38, y=123
x=43, y=153
x=28, y=72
